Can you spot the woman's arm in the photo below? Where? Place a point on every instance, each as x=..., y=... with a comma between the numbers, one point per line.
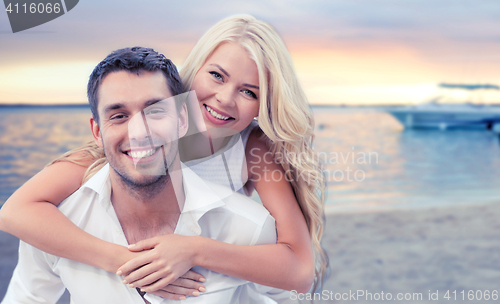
x=31, y=214
x=289, y=264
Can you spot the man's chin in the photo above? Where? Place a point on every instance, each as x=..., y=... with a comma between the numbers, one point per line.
x=141, y=175
x=150, y=171
x=144, y=180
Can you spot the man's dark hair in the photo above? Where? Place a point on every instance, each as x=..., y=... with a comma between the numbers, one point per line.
x=134, y=60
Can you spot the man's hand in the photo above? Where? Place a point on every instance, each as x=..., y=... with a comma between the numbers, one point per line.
x=165, y=268
x=187, y=285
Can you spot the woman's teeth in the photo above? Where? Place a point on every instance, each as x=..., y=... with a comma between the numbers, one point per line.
x=215, y=114
x=142, y=154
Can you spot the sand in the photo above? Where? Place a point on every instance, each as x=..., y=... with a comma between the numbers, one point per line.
x=415, y=251
x=412, y=254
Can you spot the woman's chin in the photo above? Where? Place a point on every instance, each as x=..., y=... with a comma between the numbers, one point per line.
x=220, y=132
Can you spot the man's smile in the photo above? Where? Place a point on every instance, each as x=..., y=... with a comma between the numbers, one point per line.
x=142, y=153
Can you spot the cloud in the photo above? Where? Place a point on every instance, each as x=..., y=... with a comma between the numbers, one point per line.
x=386, y=40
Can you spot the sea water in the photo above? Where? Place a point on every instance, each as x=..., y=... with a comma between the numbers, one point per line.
x=370, y=161
x=373, y=163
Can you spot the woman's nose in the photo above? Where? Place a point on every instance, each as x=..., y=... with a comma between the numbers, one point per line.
x=225, y=96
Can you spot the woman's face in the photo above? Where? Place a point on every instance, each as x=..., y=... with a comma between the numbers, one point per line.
x=227, y=87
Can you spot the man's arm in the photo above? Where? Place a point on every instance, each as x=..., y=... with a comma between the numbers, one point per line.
x=34, y=280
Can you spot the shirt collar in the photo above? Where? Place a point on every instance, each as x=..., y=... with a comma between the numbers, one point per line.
x=100, y=183
x=200, y=197
x=199, y=194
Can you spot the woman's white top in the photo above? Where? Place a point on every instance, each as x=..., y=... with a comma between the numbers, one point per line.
x=228, y=166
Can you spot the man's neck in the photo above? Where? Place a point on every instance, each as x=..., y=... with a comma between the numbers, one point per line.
x=148, y=211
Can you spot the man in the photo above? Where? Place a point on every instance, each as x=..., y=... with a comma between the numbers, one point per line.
x=143, y=192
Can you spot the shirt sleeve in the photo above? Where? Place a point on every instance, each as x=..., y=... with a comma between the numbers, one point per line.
x=268, y=235
x=34, y=280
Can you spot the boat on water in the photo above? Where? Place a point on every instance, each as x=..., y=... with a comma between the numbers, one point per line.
x=437, y=114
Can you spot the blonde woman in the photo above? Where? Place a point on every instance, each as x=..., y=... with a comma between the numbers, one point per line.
x=241, y=71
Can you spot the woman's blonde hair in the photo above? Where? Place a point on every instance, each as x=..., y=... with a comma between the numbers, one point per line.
x=82, y=156
x=284, y=115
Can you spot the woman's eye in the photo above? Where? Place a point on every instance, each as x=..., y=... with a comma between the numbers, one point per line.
x=217, y=75
x=250, y=93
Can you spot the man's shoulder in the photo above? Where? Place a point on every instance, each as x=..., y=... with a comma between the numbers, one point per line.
x=239, y=220
x=240, y=204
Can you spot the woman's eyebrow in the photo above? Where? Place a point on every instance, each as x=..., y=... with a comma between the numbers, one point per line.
x=251, y=86
x=223, y=71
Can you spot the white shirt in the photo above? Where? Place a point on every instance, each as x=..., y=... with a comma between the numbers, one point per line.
x=41, y=277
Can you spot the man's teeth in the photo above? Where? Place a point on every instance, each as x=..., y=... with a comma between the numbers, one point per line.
x=141, y=154
x=215, y=114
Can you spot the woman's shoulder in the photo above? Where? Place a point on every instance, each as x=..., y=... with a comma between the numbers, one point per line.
x=258, y=147
x=257, y=138
x=247, y=132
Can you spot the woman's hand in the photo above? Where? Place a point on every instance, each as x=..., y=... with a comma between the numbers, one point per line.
x=171, y=257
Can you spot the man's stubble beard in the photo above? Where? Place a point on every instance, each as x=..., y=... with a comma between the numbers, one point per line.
x=146, y=188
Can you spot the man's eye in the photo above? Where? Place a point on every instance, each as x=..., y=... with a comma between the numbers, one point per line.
x=154, y=111
x=117, y=117
x=217, y=75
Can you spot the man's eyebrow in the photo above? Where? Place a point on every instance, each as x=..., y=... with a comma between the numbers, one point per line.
x=152, y=102
x=112, y=107
x=118, y=105
x=251, y=86
x=223, y=71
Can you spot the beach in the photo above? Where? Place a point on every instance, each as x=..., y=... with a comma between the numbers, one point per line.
x=415, y=251
x=407, y=253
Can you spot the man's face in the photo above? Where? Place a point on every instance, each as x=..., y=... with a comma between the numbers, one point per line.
x=139, y=125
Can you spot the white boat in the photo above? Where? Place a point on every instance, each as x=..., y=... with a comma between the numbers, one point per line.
x=445, y=116
x=437, y=115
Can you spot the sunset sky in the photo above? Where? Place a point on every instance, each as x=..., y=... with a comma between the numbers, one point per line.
x=345, y=52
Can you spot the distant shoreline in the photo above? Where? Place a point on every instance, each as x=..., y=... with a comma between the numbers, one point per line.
x=316, y=107
x=86, y=105
x=22, y=105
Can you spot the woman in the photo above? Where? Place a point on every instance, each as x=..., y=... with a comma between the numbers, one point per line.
x=240, y=69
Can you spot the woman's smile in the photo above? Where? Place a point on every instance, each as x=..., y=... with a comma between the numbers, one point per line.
x=216, y=117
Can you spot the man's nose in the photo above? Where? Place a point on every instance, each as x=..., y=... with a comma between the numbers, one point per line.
x=138, y=128
x=225, y=95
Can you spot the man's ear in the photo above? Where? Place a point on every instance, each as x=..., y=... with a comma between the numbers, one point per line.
x=183, y=121
x=96, y=132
